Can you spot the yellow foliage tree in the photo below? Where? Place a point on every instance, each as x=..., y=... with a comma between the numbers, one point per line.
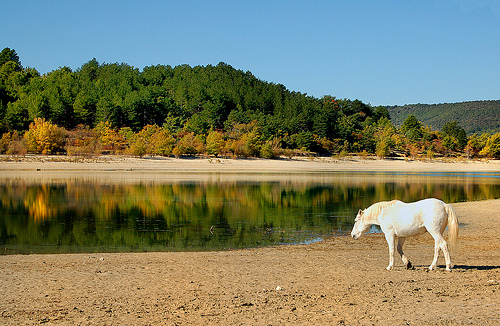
x=189, y=144
x=141, y=142
x=162, y=142
x=111, y=140
x=215, y=143
x=45, y=137
x=492, y=148
x=244, y=140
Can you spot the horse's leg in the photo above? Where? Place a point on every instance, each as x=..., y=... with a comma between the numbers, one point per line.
x=440, y=243
x=401, y=242
x=390, y=241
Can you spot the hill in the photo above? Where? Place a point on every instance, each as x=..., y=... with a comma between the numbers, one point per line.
x=181, y=99
x=473, y=116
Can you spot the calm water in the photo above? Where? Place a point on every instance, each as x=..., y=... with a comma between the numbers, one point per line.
x=207, y=211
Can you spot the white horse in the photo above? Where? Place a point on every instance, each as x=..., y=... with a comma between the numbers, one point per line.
x=401, y=220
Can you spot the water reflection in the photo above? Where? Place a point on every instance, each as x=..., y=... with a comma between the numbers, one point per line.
x=205, y=212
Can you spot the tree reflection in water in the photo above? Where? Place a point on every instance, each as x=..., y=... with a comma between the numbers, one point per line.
x=83, y=216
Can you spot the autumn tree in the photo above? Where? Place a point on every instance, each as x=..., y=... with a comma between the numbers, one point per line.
x=492, y=147
x=215, y=143
x=384, y=137
x=12, y=143
x=476, y=143
x=110, y=139
x=45, y=137
x=162, y=142
x=189, y=144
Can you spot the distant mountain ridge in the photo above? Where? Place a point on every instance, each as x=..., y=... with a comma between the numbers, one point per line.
x=474, y=116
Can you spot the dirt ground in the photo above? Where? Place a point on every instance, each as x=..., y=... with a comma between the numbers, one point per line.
x=338, y=281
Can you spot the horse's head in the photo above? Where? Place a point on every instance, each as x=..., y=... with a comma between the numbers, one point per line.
x=360, y=226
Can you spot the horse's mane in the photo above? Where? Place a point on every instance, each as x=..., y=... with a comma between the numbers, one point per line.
x=378, y=208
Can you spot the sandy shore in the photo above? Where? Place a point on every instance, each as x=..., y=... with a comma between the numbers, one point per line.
x=130, y=169
x=295, y=165
x=338, y=281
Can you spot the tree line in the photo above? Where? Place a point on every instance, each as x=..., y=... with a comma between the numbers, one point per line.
x=473, y=116
x=201, y=110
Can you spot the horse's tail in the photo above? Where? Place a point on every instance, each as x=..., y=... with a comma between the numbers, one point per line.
x=452, y=228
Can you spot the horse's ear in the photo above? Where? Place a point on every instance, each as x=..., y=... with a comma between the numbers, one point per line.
x=360, y=212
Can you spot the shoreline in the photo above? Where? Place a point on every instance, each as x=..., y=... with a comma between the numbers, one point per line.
x=124, y=169
x=282, y=165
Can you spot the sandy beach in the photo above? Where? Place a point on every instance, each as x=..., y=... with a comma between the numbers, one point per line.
x=131, y=169
x=338, y=281
x=63, y=164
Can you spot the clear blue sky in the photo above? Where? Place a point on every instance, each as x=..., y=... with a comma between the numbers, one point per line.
x=380, y=52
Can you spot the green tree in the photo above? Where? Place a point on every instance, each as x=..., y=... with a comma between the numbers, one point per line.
x=9, y=55
x=85, y=106
x=412, y=128
x=457, y=135
x=60, y=89
x=381, y=112
x=450, y=143
x=325, y=121
x=368, y=141
x=304, y=140
x=198, y=123
x=12, y=79
x=32, y=103
x=383, y=147
x=10, y=75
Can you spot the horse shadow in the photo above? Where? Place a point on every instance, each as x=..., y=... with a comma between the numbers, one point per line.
x=479, y=268
x=462, y=267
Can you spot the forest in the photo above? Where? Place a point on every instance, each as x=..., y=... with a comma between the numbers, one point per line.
x=473, y=116
x=115, y=108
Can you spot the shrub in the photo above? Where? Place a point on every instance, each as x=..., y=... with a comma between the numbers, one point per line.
x=45, y=137
x=383, y=148
x=4, y=143
x=81, y=141
x=266, y=151
x=12, y=144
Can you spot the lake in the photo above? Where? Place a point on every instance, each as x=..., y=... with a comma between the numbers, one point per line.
x=203, y=211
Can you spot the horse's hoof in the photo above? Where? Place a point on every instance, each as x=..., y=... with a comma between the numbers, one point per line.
x=409, y=265
x=389, y=268
x=431, y=268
